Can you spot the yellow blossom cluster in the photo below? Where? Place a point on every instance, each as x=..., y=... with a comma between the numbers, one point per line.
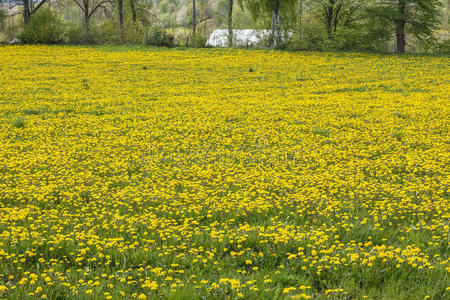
x=137, y=173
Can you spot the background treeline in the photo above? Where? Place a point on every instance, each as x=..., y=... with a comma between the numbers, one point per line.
x=417, y=26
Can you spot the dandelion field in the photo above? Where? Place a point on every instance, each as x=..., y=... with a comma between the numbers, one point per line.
x=133, y=173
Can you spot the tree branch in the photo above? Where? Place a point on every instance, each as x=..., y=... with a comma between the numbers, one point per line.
x=39, y=5
x=98, y=6
x=79, y=5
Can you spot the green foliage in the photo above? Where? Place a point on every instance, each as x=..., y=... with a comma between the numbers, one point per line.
x=106, y=32
x=2, y=18
x=19, y=122
x=75, y=34
x=197, y=41
x=262, y=10
x=134, y=33
x=45, y=27
x=421, y=17
x=158, y=36
x=367, y=36
x=313, y=37
x=443, y=47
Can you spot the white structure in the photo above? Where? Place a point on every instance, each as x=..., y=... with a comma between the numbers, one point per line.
x=241, y=37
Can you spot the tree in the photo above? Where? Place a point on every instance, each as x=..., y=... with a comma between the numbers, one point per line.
x=194, y=19
x=300, y=15
x=120, y=11
x=230, y=24
x=30, y=7
x=44, y=27
x=416, y=17
x=133, y=10
x=261, y=8
x=85, y=5
x=334, y=13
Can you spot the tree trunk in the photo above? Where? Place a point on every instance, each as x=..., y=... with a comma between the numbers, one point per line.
x=336, y=18
x=300, y=14
x=230, y=24
x=272, y=27
x=133, y=10
x=194, y=21
x=329, y=14
x=120, y=6
x=26, y=12
x=277, y=24
x=86, y=17
x=400, y=27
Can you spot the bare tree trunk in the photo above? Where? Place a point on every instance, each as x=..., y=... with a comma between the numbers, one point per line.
x=29, y=9
x=26, y=12
x=400, y=27
x=336, y=18
x=329, y=14
x=194, y=21
x=86, y=17
x=133, y=10
x=300, y=14
x=272, y=27
x=120, y=6
x=277, y=24
x=230, y=24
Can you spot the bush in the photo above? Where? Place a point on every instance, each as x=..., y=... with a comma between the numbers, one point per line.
x=158, y=36
x=134, y=34
x=75, y=34
x=106, y=32
x=313, y=37
x=44, y=27
x=443, y=47
x=197, y=41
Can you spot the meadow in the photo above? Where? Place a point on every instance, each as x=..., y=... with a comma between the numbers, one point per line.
x=138, y=173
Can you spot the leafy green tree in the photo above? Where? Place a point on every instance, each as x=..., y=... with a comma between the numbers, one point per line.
x=30, y=7
x=335, y=13
x=416, y=17
x=45, y=27
x=263, y=8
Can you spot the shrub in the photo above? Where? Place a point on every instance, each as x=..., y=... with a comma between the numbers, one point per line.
x=313, y=37
x=134, y=33
x=75, y=34
x=106, y=32
x=44, y=27
x=443, y=47
x=197, y=41
x=158, y=36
